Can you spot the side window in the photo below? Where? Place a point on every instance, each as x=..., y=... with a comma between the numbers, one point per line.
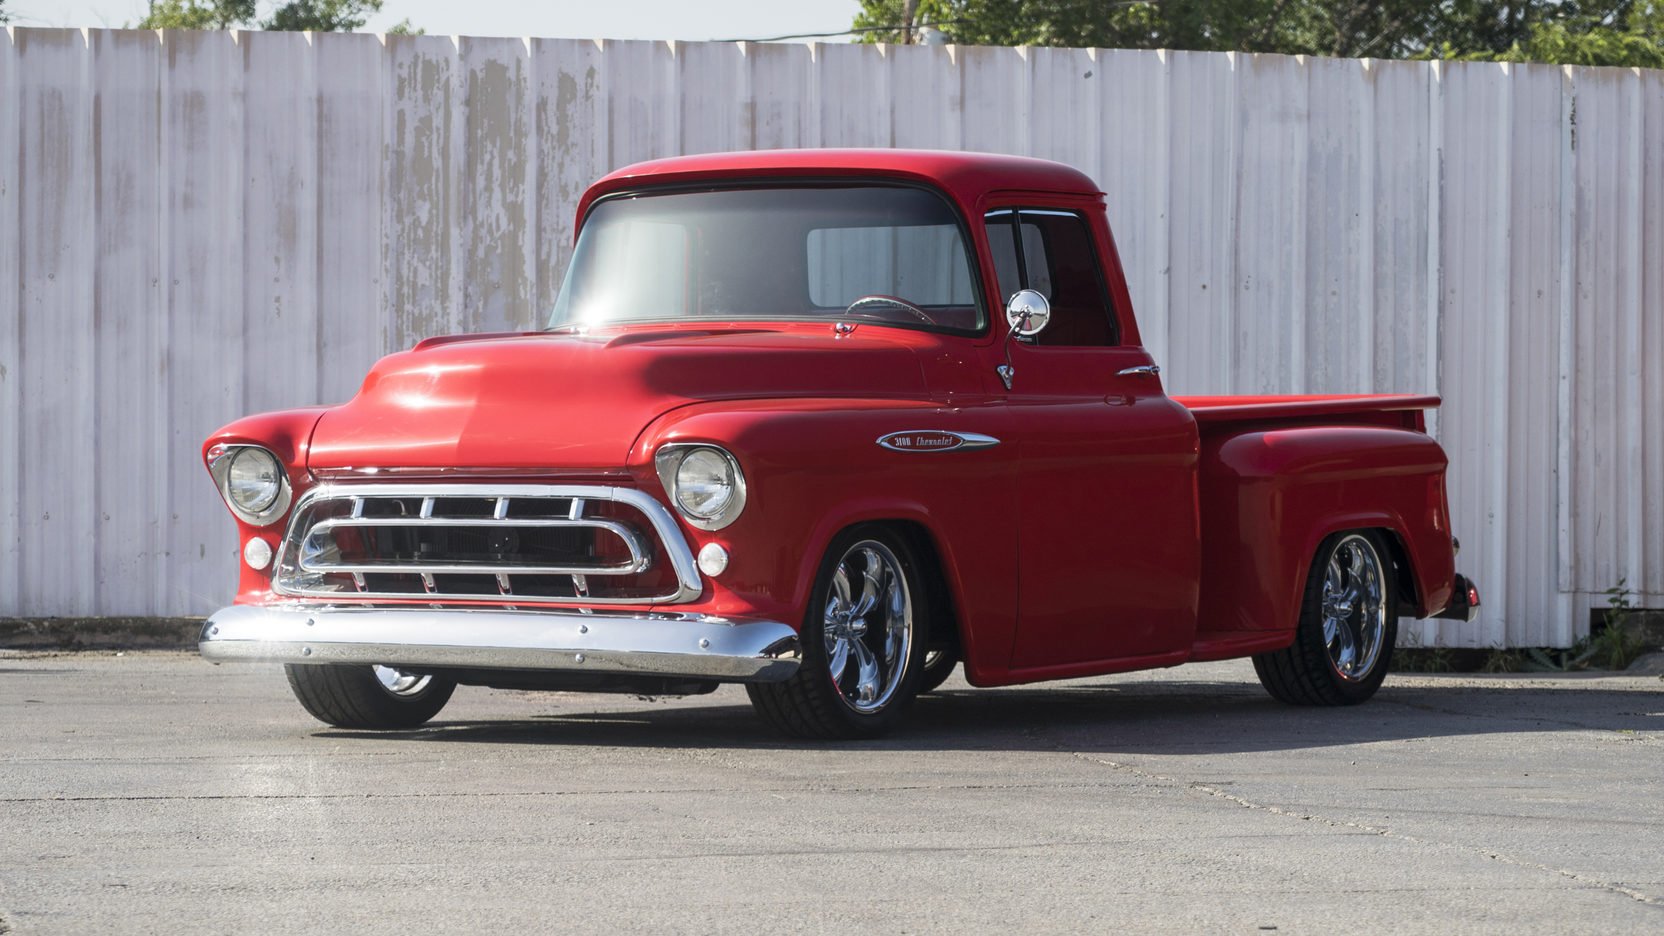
x=1056, y=259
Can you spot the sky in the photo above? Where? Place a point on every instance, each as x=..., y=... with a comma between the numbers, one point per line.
x=584, y=19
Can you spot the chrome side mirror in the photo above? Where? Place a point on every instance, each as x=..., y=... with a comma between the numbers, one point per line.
x=1028, y=313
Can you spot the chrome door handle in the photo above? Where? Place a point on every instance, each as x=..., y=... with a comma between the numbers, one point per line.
x=1142, y=370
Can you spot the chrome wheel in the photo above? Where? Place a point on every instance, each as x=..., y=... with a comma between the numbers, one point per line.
x=868, y=626
x=1354, y=607
x=397, y=682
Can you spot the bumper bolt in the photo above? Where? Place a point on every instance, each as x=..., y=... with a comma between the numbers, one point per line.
x=578, y=657
x=306, y=651
x=704, y=643
x=583, y=628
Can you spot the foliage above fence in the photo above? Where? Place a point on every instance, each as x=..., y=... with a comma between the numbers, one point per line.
x=1573, y=32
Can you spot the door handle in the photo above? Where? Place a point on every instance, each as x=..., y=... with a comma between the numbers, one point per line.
x=1142, y=370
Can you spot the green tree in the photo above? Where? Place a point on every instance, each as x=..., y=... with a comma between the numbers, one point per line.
x=1631, y=37
x=322, y=15
x=289, y=15
x=4, y=16
x=198, y=14
x=1604, y=32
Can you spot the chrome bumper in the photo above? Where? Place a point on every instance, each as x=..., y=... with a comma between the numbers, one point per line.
x=683, y=645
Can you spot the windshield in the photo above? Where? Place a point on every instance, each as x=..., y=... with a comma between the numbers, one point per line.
x=890, y=254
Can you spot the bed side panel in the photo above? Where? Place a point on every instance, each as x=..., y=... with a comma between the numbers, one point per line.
x=1270, y=495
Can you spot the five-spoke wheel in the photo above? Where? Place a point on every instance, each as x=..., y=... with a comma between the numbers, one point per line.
x=1353, y=607
x=861, y=653
x=1348, y=625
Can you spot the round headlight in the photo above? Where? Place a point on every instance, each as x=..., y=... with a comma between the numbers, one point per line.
x=704, y=483
x=253, y=480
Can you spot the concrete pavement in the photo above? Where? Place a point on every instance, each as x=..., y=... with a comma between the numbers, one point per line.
x=154, y=793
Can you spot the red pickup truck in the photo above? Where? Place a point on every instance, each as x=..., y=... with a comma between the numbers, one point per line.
x=826, y=423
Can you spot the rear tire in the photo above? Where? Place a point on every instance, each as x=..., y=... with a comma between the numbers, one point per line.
x=862, y=639
x=1348, y=625
x=368, y=697
x=938, y=666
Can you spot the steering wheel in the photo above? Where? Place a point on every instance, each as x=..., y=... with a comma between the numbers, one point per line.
x=918, y=313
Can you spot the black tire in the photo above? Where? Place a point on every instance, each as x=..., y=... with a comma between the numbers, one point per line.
x=1307, y=672
x=354, y=697
x=811, y=703
x=938, y=666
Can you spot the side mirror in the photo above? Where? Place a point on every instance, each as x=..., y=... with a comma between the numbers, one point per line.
x=1028, y=313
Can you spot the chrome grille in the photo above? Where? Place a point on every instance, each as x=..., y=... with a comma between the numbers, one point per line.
x=584, y=544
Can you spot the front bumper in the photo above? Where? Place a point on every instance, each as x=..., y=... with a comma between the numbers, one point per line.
x=649, y=644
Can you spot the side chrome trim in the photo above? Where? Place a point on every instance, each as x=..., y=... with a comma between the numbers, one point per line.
x=935, y=440
x=689, y=583
x=688, y=645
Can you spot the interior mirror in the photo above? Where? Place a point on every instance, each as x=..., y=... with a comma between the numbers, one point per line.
x=1028, y=313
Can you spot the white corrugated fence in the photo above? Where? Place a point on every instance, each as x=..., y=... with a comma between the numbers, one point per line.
x=195, y=226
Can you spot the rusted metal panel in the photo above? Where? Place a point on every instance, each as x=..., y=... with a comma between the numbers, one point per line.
x=130, y=322
x=193, y=226
x=12, y=461
x=350, y=189
x=203, y=147
x=1271, y=279
x=58, y=492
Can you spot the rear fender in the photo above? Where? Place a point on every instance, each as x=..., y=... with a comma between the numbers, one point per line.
x=1271, y=497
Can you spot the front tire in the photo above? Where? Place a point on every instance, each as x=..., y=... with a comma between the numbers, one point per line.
x=1348, y=625
x=861, y=638
x=372, y=698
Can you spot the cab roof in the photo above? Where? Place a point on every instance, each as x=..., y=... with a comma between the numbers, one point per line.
x=966, y=177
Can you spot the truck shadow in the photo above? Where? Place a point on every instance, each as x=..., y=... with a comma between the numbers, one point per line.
x=1166, y=717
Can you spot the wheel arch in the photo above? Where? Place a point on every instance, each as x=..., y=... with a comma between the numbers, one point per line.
x=1391, y=531
x=938, y=571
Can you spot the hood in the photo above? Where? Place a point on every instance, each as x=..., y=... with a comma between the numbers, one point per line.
x=579, y=401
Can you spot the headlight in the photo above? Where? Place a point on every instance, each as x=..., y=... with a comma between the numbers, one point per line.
x=704, y=482
x=252, y=481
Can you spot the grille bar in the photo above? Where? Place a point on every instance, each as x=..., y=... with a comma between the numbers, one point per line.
x=640, y=560
x=468, y=541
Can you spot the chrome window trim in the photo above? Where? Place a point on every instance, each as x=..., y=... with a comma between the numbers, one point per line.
x=689, y=583
x=219, y=467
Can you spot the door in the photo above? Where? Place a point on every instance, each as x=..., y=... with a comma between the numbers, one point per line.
x=1108, y=541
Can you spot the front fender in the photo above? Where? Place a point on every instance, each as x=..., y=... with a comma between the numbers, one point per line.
x=813, y=468
x=288, y=434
